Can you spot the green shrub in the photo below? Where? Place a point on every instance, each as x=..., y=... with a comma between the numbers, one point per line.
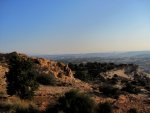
x=21, y=80
x=46, y=79
x=73, y=102
x=104, y=108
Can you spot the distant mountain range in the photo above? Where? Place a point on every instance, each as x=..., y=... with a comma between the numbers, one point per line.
x=135, y=54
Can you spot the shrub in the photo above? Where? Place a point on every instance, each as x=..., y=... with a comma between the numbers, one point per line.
x=147, y=87
x=5, y=105
x=82, y=75
x=101, y=78
x=46, y=79
x=21, y=80
x=30, y=109
x=91, y=70
x=114, y=80
x=110, y=91
x=104, y=108
x=131, y=89
x=74, y=102
x=133, y=110
x=24, y=106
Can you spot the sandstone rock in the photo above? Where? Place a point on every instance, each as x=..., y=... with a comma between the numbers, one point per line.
x=42, y=66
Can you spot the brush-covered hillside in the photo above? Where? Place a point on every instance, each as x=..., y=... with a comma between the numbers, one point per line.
x=55, y=87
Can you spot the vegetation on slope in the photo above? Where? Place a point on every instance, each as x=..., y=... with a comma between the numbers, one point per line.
x=25, y=73
x=21, y=80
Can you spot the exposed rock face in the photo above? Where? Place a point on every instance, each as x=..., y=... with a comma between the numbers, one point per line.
x=57, y=69
x=42, y=66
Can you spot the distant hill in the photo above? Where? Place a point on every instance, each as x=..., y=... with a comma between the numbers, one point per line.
x=136, y=54
x=141, y=58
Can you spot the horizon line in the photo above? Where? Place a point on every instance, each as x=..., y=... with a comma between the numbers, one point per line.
x=75, y=53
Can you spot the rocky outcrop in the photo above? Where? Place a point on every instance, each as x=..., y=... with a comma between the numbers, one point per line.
x=41, y=65
x=50, y=67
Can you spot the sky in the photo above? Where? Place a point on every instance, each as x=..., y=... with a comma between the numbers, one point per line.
x=74, y=26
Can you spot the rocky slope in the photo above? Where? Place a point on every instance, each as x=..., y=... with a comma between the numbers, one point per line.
x=57, y=69
x=66, y=81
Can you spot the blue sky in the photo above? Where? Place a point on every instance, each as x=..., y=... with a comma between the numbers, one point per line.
x=74, y=26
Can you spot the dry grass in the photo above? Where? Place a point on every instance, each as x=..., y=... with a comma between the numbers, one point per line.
x=14, y=104
x=127, y=102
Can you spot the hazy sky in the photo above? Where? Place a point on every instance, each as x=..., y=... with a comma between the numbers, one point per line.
x=74, y=26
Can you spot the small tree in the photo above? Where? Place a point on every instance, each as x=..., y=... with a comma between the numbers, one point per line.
x=21, y=80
